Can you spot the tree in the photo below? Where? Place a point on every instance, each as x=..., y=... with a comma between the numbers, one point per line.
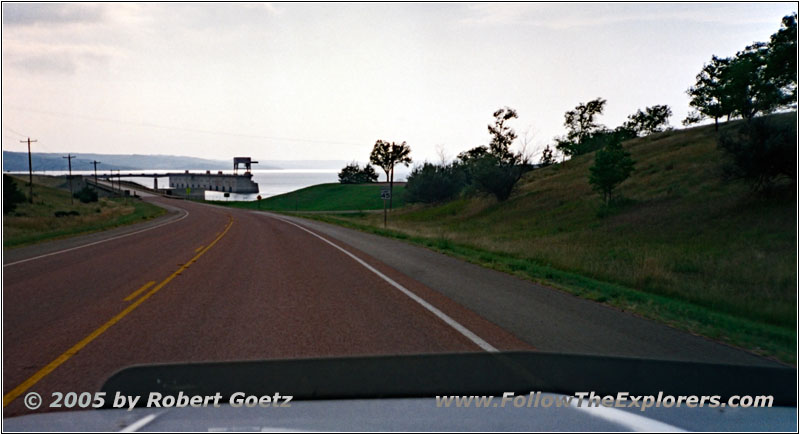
x=11, y=195
x=581, y=121
x=580, y=124
x=653, y=120
x=386, y=156
x=782, y=59
x=547, y=157
x=353, y=174
x=431, y=183
x=761, y=151
x=612, y=166
x=747, y=86
x=491, y=175
x=502, y=135
x=496, y=169
x=708, y=94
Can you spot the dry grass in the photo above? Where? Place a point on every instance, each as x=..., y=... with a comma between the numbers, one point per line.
x=32, y=223
x=681, y=231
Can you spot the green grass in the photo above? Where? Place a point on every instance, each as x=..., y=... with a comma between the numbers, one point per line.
x=34, y=223
x=326, y=197
x=682, y=246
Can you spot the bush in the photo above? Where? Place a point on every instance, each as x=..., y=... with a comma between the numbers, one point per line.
x=11, y=195
x=491, y=175
x=62, y=213
x=761, y=151
x=434, y=183
x=86, y=195
x=353, y=174
x=612, y=166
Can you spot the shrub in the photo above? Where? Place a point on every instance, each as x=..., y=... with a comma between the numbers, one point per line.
x=491, y=175
x=353, y=174
x=612, y=166
x=11, y=195
x=431, y=183
x=86, y=195
x=761, y=151
x=62, y=213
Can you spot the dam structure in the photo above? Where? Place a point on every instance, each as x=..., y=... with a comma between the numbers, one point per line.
x=195, y=184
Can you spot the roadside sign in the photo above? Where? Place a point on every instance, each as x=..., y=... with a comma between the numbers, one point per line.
x=386, y=194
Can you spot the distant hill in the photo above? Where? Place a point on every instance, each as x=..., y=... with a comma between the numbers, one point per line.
x=18, y=161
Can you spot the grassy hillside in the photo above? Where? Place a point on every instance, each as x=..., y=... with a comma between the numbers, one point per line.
x=327, y=197
x=683, y=246
x=33, y=223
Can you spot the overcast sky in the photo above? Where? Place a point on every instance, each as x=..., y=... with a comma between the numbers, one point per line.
x=325, y=81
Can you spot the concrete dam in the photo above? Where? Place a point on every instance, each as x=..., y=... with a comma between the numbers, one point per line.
x=195, y=184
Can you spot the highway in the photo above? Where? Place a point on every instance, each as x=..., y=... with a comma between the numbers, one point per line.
x=209, y=283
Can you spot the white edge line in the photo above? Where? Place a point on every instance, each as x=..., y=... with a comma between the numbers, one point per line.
x=186, y=213
x=438, y=313
x=634, y=422
x=138, y=424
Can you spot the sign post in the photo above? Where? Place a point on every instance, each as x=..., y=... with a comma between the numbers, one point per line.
x=385, y=195
x=258, y=198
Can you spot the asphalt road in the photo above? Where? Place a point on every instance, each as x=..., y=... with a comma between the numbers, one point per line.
x=209, y=283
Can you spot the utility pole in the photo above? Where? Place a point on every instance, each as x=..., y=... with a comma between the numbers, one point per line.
x=95, y=171
x=69, y=158
x=30, y=169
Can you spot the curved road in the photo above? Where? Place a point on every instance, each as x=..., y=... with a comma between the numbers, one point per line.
x=213, y=283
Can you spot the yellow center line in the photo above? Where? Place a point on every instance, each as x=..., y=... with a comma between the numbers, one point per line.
x=46, y=370
x=141, y=289
x=198, y=249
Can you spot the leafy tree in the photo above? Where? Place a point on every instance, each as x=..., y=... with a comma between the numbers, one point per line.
x=471, y=155
x=580, y=122
x=758, y=80
x=492, y=175
x=431, y=183
x=566, y=147
x=782, y=60
x=653, y=120
x=547, y=157
x=612, y=166
x=708, y=94
x=368, y=174
x=496, y=169
x=747, y=86
x=11, y=195
x=502, y=135
x=353, y=174
x=761, y=151
x=386, y=156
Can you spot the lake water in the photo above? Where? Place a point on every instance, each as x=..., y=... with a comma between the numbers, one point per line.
x=270, y=181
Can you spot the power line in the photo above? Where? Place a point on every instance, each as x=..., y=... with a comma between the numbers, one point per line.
x=14, y=131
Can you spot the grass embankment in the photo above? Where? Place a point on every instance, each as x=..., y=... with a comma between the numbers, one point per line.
x=327, y=197
x=684, y=247
x=34, y=223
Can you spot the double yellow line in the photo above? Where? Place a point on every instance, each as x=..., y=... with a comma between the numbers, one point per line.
x=46, y=370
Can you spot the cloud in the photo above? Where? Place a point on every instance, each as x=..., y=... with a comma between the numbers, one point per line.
x=268, y=7
x=27, y=14
x=561, y=17
x=62, y=58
